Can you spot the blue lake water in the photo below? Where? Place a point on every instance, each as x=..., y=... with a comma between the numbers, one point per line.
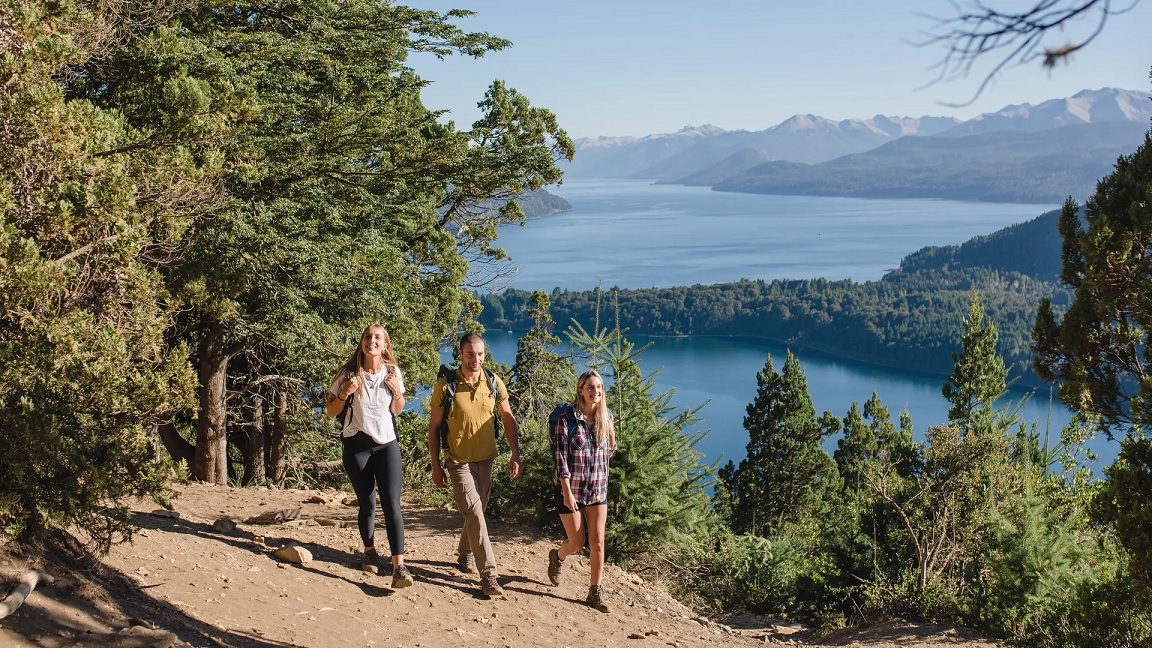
x=633, y=234
x=720, y=374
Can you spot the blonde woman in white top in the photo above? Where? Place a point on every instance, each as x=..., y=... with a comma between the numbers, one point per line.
x=367, y=393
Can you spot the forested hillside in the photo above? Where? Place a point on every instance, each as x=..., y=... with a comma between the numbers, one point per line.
x=1031, y=248
x=908, y=320
x=542, y=203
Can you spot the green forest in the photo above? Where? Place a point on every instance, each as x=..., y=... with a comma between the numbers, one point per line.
x=909, y=320
x=203, y=203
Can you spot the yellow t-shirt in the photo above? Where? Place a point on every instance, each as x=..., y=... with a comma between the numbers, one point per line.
x=471, y=421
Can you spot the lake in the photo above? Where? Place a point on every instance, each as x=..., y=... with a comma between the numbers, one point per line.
x=634, y=234
x=722, y=373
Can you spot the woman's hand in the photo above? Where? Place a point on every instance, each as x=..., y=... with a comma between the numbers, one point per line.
x=569, y=499
x=392, y=382
x=351, y=385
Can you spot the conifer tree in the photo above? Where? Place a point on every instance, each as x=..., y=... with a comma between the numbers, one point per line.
x=786, y=474
x=1100, y=350
x=346, y=200
x=978, y=374
x=540, y=380
x=872, y=445
x=858, y=445
x=92, y=208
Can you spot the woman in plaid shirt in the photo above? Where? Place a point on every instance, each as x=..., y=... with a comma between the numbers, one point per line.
x=583, y=438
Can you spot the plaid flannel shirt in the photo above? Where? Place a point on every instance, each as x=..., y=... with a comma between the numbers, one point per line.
x=580, y=457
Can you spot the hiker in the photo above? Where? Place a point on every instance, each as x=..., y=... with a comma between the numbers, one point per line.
x=583, y=439
x=474, y=398
x=367, y=393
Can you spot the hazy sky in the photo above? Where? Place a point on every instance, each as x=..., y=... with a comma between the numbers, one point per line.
x=637, y=67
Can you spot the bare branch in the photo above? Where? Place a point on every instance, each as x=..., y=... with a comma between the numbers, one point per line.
x=1013, y=38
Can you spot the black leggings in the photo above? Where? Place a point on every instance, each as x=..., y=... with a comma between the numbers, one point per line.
x=370, y=464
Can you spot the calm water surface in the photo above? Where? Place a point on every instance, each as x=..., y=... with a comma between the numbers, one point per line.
x=634, y=234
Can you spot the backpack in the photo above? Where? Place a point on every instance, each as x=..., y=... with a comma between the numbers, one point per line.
x=563, y=409
x=449, y=375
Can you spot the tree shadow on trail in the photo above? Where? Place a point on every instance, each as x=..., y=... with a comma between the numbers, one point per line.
x=133, y=617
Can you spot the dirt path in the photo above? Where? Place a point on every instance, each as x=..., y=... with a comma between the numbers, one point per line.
x=183, y=582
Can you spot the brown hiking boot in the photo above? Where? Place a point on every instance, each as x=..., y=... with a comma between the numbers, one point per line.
x=596, y=598
x=490, y=587
x=401, y=577
x=554, y=565
x=370, y=562
x=466, y=564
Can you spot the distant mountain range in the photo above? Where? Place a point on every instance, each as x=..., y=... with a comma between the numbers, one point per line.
x=1022, y=153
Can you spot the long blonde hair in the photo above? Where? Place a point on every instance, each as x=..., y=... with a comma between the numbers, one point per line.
x=355, y=364
x=601, y=417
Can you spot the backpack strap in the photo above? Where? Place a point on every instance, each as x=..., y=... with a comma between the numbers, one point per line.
x=450, y=376
x=496, y=422
x=345, y=412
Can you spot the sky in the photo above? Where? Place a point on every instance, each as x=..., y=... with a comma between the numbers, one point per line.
x=639, y=67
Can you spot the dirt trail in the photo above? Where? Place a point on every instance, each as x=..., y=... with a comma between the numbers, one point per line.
x=184, y=582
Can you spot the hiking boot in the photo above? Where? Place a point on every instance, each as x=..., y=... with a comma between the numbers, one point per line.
x=596, y=598
x=466, y=564
x=554, y=565
x=370, y=562
x=490, y=587
x=401, y=577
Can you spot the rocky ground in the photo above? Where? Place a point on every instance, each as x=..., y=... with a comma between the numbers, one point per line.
x=189, y=578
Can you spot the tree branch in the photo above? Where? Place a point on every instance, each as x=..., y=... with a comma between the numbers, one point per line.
x=1017, y=37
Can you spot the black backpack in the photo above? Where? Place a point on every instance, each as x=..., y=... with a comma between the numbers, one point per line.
x=449, y=375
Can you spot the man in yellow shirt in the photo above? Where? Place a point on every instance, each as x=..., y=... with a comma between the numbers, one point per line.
x=471, y=450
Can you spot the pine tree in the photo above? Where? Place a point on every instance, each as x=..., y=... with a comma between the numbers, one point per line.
x=978, y=373
x=1100, y=350
x=540, y=380
x=858, y=445
x=866, y=547
x=786, y=475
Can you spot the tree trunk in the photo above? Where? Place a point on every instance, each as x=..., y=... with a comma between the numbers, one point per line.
x=278, y=452
x=211, y=458
x=254, y=443
x=178, y=448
